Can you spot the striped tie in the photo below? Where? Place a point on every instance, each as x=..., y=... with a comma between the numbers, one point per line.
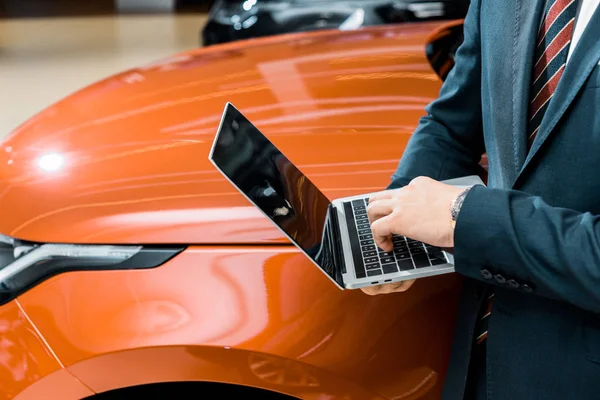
x=482, y=326
x=550, y=60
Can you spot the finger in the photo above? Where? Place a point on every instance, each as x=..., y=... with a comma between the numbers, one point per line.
x=386, y=194
x=371, y=290
x=396, y=287
x=382, y=233
x=379, y=209
x=382, y=289
x=392, y=288
x=385, y=244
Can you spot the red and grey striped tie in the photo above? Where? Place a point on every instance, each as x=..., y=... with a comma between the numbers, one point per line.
x=553, y=44
x=553, y=41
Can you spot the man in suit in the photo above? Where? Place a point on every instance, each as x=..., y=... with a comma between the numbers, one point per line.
x=525, y=89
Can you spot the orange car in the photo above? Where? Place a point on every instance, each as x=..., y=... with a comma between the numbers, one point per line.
x=131, y=269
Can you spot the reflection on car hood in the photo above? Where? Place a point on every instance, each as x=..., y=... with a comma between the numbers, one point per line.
x=125, y=160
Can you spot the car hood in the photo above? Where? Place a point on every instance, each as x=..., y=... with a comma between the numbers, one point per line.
x=125, y=160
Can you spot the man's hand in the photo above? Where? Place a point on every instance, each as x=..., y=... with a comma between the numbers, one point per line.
x=420, y=211
x=388, y=288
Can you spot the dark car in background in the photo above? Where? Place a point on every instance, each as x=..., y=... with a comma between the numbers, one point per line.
x=231, y=20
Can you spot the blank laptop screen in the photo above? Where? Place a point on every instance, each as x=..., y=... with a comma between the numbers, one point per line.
x=272, y=183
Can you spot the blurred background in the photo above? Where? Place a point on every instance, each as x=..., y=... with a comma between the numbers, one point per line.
x=50, y=48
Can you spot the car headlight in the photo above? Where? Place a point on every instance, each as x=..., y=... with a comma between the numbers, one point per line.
x=24, y=264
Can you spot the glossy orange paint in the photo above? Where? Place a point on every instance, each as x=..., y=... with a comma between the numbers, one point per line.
x=24, y=356
x=444, y=30
x=59, y=385
x=257, y=316
x=125, y=160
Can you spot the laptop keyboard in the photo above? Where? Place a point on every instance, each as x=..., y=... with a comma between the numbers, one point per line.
x=369, y=260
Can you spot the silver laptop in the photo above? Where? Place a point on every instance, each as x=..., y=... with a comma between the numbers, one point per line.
x=334, y=235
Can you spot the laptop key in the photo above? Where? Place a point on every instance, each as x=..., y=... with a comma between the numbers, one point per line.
x=405, y=265
x=365, y=237
x=438, y=261
x=389, y=268
x=364, y=226
x=421, y=260
x=359, y=207
x=364, y=232
x=370, y=254
x=366, y=242
x=358, y=202
x=360, y=212
x=374, y=272
x=372, y=266
x=387, y=260
x=370, y=260
x=386, y=254
x=436, y=254
x=368, y=248
x=403, y=256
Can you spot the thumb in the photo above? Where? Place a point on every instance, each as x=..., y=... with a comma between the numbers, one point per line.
x=371, y=290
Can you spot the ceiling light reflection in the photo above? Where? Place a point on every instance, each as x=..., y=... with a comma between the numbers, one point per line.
x=51, y=162
x=247, y=5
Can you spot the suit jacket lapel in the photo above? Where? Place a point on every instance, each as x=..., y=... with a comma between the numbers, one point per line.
x=527, y=22
x=583, y=60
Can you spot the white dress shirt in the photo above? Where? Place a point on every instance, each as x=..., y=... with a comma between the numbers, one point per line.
x=584, y=14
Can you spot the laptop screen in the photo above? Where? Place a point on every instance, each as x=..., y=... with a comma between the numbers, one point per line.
x=270, y=181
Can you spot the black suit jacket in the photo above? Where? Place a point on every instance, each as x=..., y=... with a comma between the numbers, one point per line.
x=534, y=232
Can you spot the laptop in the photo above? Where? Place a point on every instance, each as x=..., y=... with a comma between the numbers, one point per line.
x=335, y=235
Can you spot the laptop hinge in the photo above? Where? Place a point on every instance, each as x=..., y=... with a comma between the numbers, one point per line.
x=336, y=244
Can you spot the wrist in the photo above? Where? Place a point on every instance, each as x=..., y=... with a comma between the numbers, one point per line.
x=456, y=206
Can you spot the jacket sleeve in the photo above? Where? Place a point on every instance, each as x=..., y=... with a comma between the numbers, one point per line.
x=516, y=240
x=448, y=141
